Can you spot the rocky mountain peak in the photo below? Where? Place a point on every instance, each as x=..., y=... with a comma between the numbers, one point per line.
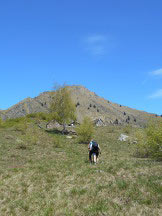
x=87, y=104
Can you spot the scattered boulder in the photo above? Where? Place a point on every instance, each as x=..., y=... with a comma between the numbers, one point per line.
x=19, y=140
x=69, y=137
x=116, y=121
x=134, y=142
x=99, y=122
x=73, y=124
x=71, y=132
x=53, y=124
x=22, y=147
x=9, y=136
x=123, y=137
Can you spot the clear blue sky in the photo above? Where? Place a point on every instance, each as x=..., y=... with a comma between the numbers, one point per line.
x=112, y=47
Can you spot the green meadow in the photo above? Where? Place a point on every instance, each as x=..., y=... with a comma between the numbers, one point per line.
x=43, y=173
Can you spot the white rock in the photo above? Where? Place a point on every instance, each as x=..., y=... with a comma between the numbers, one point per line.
x=123, y=137
x=69, y=137
x=19, y=140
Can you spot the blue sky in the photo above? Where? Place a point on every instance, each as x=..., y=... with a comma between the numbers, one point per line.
x=112, y=47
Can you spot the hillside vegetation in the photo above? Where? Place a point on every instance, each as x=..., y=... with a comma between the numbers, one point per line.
x=45, y=173
x=87, y=104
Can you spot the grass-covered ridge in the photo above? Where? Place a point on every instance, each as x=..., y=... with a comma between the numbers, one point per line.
x=44, y=173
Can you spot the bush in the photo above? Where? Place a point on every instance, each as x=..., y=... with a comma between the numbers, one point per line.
x=142, y=147
x=31, y=115
x=40, y=116
x=14, y=122
x=85, y=131
x=150, y=141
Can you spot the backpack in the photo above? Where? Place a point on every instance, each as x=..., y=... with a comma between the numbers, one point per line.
x=94, y=146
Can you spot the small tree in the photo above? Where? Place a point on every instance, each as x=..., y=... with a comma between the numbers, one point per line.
x=150, y=141
x=62, y=107
x=85, y=131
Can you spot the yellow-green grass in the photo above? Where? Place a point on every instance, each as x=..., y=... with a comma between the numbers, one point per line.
x=50, y=175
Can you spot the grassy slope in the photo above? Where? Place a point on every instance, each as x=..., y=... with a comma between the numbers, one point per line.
x=50, y=175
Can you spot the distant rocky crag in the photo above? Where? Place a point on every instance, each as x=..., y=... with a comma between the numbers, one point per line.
x=102, y=111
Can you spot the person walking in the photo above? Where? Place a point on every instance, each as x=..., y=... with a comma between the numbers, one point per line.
x=93, y=147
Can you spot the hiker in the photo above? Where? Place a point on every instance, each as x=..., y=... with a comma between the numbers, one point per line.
x=93, y=147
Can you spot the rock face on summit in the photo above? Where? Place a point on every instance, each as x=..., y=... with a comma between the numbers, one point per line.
x=87, y=104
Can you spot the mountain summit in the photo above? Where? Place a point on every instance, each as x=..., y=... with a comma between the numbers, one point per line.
x=87, y=104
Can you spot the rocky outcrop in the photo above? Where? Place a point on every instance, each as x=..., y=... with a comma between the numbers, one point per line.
x=99, y=122
x=53, y=125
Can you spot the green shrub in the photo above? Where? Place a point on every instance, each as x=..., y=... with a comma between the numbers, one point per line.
x=40, y=116
x=150, y=141
x=14, y=122
x=142, y=147
x=85, y=131
x=31, y=115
